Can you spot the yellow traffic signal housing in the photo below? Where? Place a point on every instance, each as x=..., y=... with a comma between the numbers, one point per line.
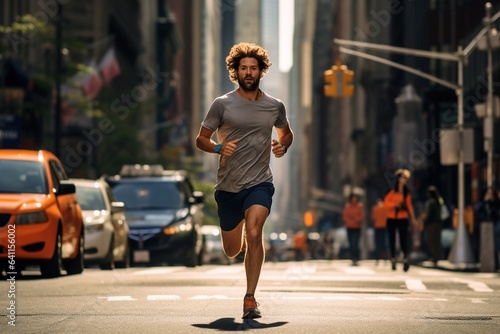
x=333, y=85
x=308, y=219
x=347, y=82
x=339, y=81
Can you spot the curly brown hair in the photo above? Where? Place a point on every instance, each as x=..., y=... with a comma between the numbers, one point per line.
x=244, y=50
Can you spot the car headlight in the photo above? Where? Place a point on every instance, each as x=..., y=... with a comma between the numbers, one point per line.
x=94, y=227
x=31, y=218
x=178, y=227
x=94, y=223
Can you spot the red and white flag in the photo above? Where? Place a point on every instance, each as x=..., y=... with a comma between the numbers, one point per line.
x=109, y=66
x=92, y=83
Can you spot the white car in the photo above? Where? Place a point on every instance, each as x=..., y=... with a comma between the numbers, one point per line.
x=106, y=227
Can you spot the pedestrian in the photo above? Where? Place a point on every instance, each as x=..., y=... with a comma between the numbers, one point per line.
x=352, y=216
x=379, y=220
x=433, y=223
x=243, y=120
x=398, y=203
x=300, y=245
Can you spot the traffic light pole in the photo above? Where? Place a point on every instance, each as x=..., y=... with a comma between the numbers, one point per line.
x=456, y=254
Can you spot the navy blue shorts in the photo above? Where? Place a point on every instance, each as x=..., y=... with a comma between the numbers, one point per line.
x=232, y=206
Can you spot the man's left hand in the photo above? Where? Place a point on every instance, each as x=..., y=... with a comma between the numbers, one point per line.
x=278, y=149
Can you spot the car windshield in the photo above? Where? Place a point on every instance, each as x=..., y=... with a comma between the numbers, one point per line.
x=150, y=195
x=90, y=198
x=17, y=176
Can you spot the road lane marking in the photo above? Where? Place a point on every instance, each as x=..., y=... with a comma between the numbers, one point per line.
x=415, y=285
x=358, y=271
x=211, y=297
x=118, y=298
x=226, y=271
x=339, y=297
x=478, y=300
x=474, y=285
x=427, y=299
x=163, y=297
x=157, y=271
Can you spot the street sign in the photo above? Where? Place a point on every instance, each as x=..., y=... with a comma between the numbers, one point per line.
x=450, y=145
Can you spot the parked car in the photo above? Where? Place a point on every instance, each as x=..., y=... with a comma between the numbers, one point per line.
x=106, y=228
x=280, y=246
x=40, y=218
x=213, y=252
x=164, y=213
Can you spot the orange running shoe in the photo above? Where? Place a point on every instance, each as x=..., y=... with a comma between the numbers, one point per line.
x=250, y=310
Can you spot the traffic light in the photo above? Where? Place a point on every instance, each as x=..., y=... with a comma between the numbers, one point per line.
x=333, y=86
x=308, y=219
x=347, y=82
x=339, y=81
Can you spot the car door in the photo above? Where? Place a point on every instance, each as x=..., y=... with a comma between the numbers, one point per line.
x=68, y=206
x=118, y=219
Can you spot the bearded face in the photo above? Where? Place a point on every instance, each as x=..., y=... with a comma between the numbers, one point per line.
x=249, y=74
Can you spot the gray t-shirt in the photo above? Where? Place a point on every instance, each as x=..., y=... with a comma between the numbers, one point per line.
x=252, y=122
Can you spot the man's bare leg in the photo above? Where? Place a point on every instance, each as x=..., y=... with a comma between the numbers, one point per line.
x=255, y=217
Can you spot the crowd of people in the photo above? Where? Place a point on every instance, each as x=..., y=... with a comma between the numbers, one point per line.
x=393, y=220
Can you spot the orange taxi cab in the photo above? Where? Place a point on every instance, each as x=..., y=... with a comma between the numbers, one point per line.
x=40, y=219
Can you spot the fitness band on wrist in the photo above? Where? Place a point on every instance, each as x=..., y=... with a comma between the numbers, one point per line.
x=218, y=147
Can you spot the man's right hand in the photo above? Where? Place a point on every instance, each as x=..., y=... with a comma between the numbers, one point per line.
x=228, y=148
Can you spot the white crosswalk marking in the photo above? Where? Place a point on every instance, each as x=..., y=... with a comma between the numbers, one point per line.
x=415, y=285
x=163, y=297
x=355, y=278
x=118, y=298
x=157, y=271
x=474, y=285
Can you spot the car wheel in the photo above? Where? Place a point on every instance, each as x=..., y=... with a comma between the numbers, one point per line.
x=192, y=257
x=54, y=266
x=201, y=255
x=191, y=260
x=126, y=258
x=76, y=265
x=109, y=261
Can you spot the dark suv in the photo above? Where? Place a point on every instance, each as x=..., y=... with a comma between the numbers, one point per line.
x=164, y=214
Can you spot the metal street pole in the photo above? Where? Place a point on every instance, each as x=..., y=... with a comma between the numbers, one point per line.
x=488, y=121
x=461, y=251
x=57, y=125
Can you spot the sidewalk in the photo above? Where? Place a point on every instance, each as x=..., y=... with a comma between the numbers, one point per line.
x=447, y=265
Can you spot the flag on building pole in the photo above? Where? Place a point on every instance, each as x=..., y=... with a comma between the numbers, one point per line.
x=109, y=67
x=92, y=83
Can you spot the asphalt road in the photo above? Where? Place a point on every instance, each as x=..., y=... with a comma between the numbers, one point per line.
x=294, y=297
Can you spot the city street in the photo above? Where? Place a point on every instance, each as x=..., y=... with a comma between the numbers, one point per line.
x=295, y=297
